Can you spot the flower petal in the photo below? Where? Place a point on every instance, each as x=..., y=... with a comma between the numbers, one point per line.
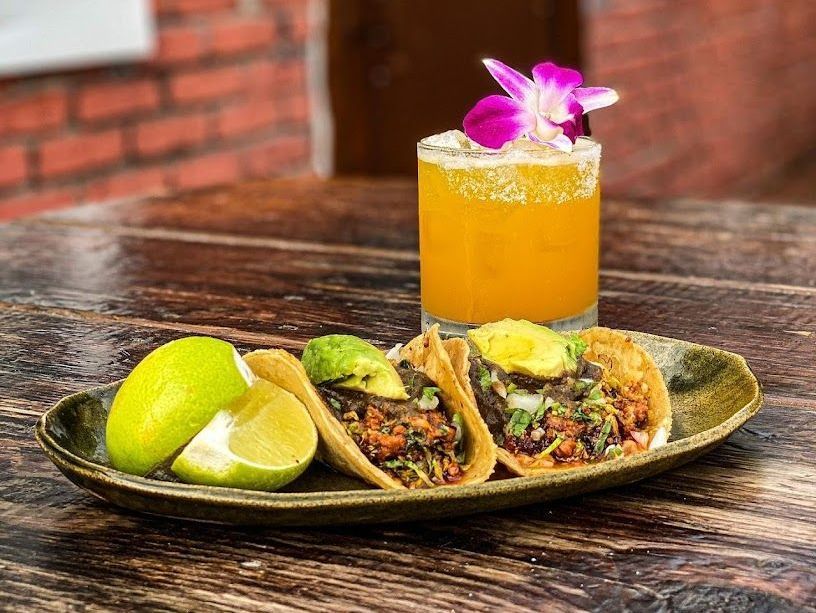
x=513, y=82
x=496, y=120
x=554, y=84
x=561, y=142
x=592, y=98
x=545, y=130
x=566, y=110
x=573, y=128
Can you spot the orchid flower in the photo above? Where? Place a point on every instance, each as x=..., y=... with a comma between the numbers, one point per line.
x=547, y=109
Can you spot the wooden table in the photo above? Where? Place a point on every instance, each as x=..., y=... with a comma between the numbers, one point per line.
x=86, y=293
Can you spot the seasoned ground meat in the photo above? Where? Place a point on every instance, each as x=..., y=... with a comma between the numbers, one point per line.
x=633, y=412
x=581, y=417
x=420, y=447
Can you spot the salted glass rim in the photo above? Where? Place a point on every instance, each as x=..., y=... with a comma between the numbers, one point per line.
x=583, y=145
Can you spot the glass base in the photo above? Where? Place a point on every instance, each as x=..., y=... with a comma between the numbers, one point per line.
x=449, y=328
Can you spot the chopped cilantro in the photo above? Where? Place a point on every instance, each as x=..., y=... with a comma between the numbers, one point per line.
x=416, y=436
x=614, y=451
x=335, y=403
x=601, y=442
x=518, y=422
x=582, y=384
x=428, y=393
x=552, y=446
x=419, y=473
x=576, y=346
x=460, y=430
x=579, y=415
x=539, y=413
x=484, y=378
x=595, y=393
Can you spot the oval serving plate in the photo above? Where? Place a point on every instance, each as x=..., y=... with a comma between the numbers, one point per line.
x=712, y=392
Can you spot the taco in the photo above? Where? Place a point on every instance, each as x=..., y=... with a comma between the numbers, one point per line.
x=555, y=401
x=397, y=421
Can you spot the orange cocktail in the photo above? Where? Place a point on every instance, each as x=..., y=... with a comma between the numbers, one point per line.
x=511, y=233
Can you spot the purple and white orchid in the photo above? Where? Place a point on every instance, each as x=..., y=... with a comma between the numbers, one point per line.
x=547, y=109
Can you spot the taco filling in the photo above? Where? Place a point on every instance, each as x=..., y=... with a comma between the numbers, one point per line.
x=574, y=419
x=392, y=411
x=413, y=439
x=562, y=409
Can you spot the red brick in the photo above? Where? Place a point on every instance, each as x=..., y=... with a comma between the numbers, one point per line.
x=237, y=36
x=268, y=76
x=244, y=118
x=179, y=44
x=192, y=7
x=139, y=182
x=291, y=74
x=299, y=24
x=207, y=170
x=208, y=84
x=13, y=165
x=170, y=134
x=295, y=109
x=34, y=113
x=77, y=154
x=105, y=101
x=35, y=202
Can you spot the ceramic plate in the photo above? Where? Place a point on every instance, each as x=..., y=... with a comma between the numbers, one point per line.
x=712, y=393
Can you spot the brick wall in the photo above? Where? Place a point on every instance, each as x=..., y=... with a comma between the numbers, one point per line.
x=224, y=98
x=717, y=95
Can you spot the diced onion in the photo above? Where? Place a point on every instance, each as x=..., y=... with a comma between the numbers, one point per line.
x=641, y=438
x=525, y=402
x=394, y=353
x=499, y=388
x=660, y=438
x=428, y=404
x=496, y=384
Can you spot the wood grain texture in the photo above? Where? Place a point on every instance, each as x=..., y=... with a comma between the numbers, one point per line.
x=691, y=537
x=739, y=241
x=272, y=264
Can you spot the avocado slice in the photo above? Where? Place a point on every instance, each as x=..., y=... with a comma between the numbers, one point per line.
x=520, y=346
x=349, y=362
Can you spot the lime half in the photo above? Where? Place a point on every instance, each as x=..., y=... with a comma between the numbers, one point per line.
x=261, y=441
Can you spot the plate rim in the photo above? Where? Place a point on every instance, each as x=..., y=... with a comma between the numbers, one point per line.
x=64, y=459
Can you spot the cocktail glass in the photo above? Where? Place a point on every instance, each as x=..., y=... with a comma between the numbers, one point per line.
x=508, y=233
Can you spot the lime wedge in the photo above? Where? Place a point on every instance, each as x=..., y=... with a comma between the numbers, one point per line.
x=261, y=441
x=169, y=397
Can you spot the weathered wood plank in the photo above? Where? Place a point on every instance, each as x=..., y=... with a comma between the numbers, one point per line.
x=585, y=551
x=723, y=240
x=339, y=211
x=86, y=294
x=217, y=289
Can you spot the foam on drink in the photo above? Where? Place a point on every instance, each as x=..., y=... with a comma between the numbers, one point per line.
x=478, y=173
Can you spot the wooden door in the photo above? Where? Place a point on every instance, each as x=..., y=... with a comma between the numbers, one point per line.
x=403, y=69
